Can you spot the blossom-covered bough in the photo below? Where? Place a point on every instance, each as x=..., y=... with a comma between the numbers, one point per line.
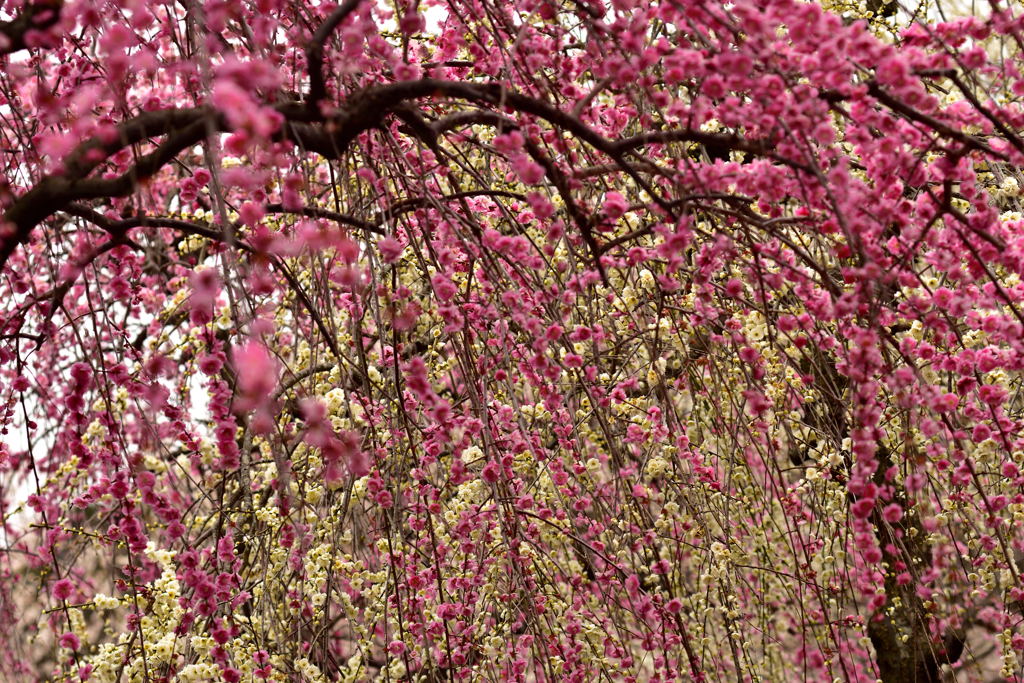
x=536, y=340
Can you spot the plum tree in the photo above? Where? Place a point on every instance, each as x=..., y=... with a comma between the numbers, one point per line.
x=534, y=340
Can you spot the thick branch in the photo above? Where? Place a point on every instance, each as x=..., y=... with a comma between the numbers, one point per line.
x=36, y=17
x=119, y=228
x=904, y=647
x=186, y=127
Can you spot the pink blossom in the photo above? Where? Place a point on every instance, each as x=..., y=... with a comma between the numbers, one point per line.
x=234, y=101
x=992, y=394
x=863, y=508
x=257, y=374
x=411, y=23
x=892, y=513
x=226, y=549
x=490, y=473
x=70, y=641
x=210, y=364
x=529, y=171
x=944, y=403
x=615, y=205
x=250, y=213
x=62, y=589
x=390, y=249
x=509, y=143
x=443, y=287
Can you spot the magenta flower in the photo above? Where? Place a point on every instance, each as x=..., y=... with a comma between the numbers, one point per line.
x=257, y=374
x=70, y=641
x=62, y=589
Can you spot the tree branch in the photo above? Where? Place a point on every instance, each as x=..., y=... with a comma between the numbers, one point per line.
x=315, y=53
x=36, y=17
x=368, y=108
